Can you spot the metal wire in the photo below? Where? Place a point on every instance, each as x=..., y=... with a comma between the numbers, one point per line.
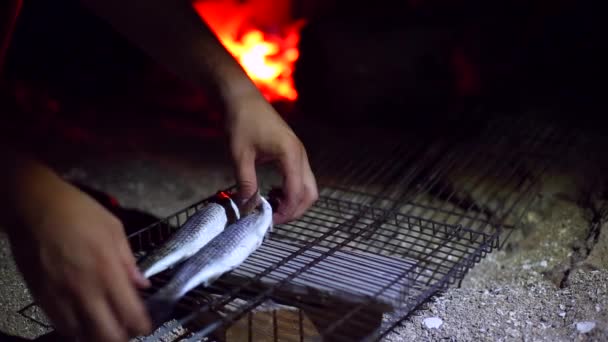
x=397, y=220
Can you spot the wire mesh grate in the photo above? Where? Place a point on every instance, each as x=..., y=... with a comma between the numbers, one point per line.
x=336, y=256
x=398, y=219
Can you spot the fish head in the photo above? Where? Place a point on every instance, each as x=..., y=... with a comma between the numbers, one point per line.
x=266, y=211
x=232, y=210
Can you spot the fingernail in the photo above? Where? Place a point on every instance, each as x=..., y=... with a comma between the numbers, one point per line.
x=145, y=282
x=141, y=279
x=240, y=199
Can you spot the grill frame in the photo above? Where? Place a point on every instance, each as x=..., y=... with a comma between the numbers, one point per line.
x=480, y=245
x=395, y=200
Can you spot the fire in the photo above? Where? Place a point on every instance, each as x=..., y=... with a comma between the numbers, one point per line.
x=267, y=58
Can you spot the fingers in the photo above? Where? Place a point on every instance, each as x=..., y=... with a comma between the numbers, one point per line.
x=291, y=166
x=128, y=260
x=300, y=187
x=125, y=301
x=123, y=274
x=299, y=184
x=309, y=193
x=60, y=312
x=98, y=323
x=246, y=176
x=136, y=276
x=84, y=315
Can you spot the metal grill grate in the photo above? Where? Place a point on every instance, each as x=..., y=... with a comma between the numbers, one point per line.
x=398, y=219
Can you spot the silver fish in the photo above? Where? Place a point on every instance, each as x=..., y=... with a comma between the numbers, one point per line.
x=221, y=255
x=198, y=230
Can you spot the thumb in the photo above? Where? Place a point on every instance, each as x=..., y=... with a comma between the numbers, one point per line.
x=128, y=260
x=246, y=177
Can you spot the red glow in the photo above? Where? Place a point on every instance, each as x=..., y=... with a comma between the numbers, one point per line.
x=467, y=75
x=223, y=195
x=267, y=58
x=114, y=202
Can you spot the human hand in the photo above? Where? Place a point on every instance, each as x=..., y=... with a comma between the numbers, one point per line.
x=78, y=265
x=258, y=134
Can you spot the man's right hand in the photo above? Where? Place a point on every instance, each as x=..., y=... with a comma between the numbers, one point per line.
x=77, y=262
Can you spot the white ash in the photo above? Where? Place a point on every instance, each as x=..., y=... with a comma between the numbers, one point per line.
x=585, y=327
x=433, y=322
x=522, y=310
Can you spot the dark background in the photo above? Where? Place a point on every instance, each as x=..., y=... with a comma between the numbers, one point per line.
x=411, y=64
x=431, y=66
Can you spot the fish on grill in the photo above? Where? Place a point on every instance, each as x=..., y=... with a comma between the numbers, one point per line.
x=198, y=230
x=221, y=255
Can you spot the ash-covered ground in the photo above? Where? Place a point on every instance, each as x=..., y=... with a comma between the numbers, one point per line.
x=548, y=283
x=532, y=290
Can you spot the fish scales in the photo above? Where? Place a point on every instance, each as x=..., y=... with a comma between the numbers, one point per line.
x=222, y=254
x=191, y=237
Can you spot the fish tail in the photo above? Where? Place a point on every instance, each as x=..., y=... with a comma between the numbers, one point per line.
x=159, y=308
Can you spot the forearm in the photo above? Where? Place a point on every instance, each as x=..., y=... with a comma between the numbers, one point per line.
x=24, y=182
x=173, y=34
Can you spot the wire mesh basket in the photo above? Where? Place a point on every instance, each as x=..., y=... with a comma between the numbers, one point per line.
x=342, y=266
x=397, y=221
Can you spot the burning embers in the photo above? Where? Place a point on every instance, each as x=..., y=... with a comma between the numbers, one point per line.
x=268, y=55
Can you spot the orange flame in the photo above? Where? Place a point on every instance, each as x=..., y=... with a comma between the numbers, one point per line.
x=268, y=59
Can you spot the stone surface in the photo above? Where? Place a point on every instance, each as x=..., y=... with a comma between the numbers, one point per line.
x=14, y=295
x=519, y=293
x=598, y=257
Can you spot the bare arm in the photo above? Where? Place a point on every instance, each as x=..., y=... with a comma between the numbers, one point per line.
x=171, y=32
x=22, y=175
x=73, y=254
